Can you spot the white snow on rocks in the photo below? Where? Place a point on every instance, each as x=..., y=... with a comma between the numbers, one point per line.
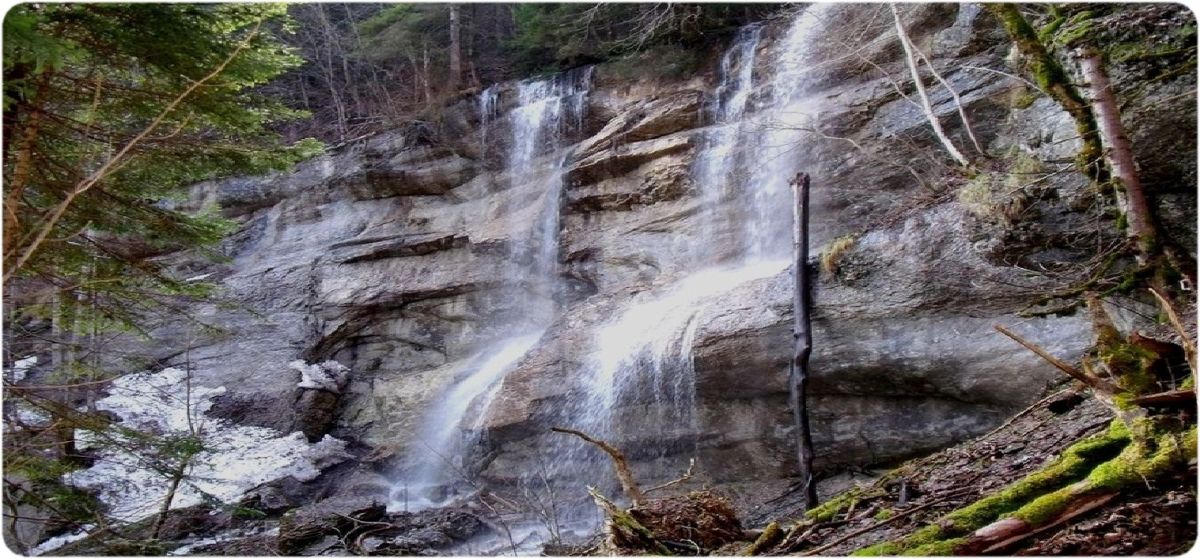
x=20, y=368
x=236, y=457
x=330, y=375
x=59, y=541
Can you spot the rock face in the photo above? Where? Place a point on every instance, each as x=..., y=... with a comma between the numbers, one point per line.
x=383, y=256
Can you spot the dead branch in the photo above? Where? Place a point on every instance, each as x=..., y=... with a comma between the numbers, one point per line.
x=620, y=464
x=685, y=477
x=1189, y=346
x=911, y=59
x=1172, y=397
x=962, y=111
x=1026, y=412
x=1092, y=381
x=885, y=522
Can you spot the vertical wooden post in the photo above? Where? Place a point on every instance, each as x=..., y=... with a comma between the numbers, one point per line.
x=802, y=338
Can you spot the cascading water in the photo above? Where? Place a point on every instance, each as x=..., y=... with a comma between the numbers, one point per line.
x=441, y=434
x=547, y=113
x=780, y=128
x=715, y=168
x=642, y=375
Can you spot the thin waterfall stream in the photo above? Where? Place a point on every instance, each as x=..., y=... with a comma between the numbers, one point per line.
x=547, y=113
x=640, y=379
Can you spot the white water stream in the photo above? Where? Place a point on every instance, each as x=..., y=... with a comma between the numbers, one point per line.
x=547, y=113
x=640, y=387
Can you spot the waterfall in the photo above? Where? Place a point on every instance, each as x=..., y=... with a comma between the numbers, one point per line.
x=487, y=113
x=640, y=381
x=779, y=134
x=644, y=356
x=715, y=168
x=441, y=433
x=547, y=114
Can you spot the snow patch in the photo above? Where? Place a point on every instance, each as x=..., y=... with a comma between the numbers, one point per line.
x=59, y=541
x=330, y=375
x=20, y=368
x=235, y=459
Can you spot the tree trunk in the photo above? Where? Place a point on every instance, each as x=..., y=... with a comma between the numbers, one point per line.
x=1049, y=75
x=425, y=74
x=455, y=47
x=911, y=59
x=22, y=166
x=166, y=505
x=1131, y=197
x=802, y=336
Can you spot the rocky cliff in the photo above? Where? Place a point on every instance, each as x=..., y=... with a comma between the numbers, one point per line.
x=385, y=255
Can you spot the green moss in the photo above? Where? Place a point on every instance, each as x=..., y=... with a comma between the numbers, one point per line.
x=879, y=549
x=945, y=547
x=1139, y=462
x=884, y=514
x=833, y=507
x=1122, y=222
x=1075, y=30
x=1045, y=508
x=1075, y=463
x=1025, y=99
x=1046, y=33
x=928, y=534
x=1023, y=497
x=1131, y=365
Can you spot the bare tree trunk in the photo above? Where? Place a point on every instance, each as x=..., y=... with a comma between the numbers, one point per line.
x=335, y=96
x=455, y=47
x=911, y=59
x=166, y=505
x=1130, y=195
x=802, y=336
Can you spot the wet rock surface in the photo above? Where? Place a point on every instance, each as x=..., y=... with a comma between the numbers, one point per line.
x=383, y=255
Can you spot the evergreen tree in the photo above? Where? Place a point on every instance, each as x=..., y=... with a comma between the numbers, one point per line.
x=109, y=112
x=110, y=109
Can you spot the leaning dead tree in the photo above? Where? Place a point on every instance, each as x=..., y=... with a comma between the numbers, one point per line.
x=620, y=464
x=694, y=523
x=802, y=338
x=910, y=57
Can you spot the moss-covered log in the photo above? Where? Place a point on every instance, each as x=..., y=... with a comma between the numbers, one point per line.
x=1074, y=464
x=1085, y=477
x=770, y=536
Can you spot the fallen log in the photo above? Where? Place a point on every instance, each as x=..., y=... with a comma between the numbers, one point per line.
x=623, y=531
